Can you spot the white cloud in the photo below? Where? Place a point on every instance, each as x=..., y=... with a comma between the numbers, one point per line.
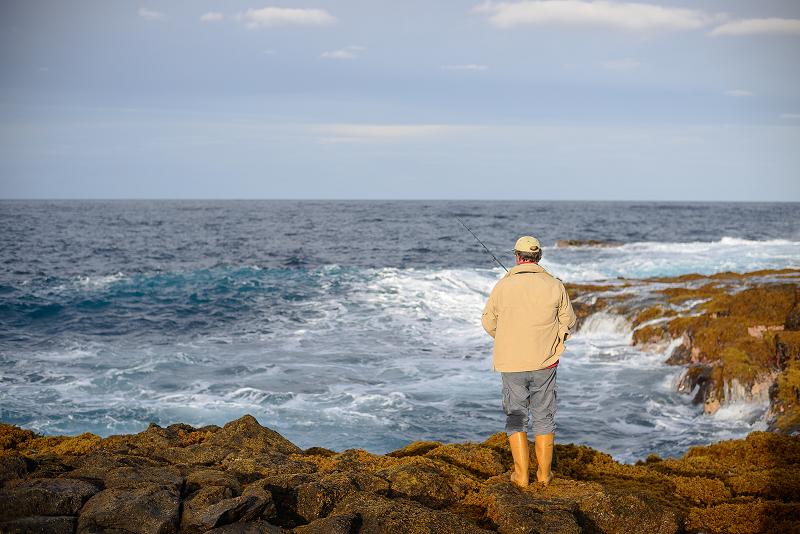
x=357, y=133
x=268, y=52
x=212, y=16
x=627, y=16
x=286, y=16
x=150, y=14
x=625, y=63
x=790, y=116
x=348, y=52
x=739, y=92
x=756, y=26
x=469, y=66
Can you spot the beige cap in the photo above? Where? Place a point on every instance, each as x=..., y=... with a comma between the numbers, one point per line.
x=527, y=243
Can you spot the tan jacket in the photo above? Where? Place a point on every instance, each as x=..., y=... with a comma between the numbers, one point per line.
x=529, y=315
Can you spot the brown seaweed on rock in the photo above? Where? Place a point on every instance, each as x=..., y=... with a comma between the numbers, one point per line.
x=737, y=332
x=246, y=478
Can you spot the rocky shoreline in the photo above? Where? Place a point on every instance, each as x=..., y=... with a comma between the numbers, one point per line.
x=246, y=478
x=737, y=335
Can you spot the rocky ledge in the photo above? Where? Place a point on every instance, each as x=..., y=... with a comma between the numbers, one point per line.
x=737, y=335
x=246, y=478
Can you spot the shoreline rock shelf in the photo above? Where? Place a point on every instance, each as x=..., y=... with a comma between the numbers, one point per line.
x=737, y=335
x=246, y=478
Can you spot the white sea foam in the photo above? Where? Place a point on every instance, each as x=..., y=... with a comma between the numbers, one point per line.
x=603, y=325
x=648, y=259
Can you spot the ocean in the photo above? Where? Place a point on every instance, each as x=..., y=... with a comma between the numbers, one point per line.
x=345, y=324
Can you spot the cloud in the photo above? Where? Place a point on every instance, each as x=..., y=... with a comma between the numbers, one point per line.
x=758, y=26
x=348, y=52
x=150, y=14
x=286, y=16
x=738, y=92
x=622, y=64
x=790, y=116
x=358, y=133
x=626, y=16
x=469, y=66
x=212, y=16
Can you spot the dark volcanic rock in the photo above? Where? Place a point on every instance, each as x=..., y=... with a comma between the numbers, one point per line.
x=246, y=436
x=742, y=486
x=252, y=527
x=12, y=467
x=317, y=498
x=51, y=524
x=202, y=478
x=623, y=513
x=421, y=483
x=380, y=515
x=242, y=508
x=44, y=496
x=335, y=524
x=148, y=508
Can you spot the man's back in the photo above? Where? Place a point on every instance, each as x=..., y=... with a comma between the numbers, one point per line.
x=529, y=315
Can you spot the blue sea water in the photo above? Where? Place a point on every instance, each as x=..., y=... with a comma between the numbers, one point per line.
x=344, y=323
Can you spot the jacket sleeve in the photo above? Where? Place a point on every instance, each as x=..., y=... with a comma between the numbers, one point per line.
x=566, y=315
x=489, y=317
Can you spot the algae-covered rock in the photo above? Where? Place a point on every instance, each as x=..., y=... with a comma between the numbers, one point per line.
x=148, y=508
x=44, y=496
x=380, y=515
x=45, y=524
x=749, y=485
x=335, y=524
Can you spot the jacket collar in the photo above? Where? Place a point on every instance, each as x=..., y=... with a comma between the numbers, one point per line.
x=526, y=268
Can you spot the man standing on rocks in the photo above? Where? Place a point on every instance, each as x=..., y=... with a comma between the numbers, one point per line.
x=529, y=315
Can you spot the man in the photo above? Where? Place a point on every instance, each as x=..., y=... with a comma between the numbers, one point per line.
x=529, y=315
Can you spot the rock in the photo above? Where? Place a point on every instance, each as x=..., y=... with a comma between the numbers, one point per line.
x=147, y=508
x=202, y=478
x=335, y=524
x=96, y=465
x=380, y=515
x=129, y=477
x=316, y=499
x=251, y=468
x=245, y=435
x=418, y=448
x=513, y=510
x=269, y=511
x=12, y=467
x=319, y=451
x=421, y=483
x=199, y=501
x=242, y=508
x=44, y=496
x=627, y=512
x=252, y=527
x=482, y=461
x=792, y=321
x=51, y=524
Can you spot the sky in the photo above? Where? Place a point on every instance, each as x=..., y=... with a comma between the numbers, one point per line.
x=532, y=100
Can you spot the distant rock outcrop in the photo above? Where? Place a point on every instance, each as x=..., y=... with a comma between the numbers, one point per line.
x=245, y=478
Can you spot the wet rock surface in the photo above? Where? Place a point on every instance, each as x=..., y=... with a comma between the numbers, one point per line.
x=175, y=479
x=737, y=334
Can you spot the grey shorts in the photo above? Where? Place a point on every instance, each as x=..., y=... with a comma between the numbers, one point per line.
x=531, y=392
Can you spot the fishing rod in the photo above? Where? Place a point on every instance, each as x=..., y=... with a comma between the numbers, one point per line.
x=481, y=242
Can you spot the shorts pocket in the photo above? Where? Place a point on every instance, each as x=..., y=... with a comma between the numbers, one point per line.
x=506, y=399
